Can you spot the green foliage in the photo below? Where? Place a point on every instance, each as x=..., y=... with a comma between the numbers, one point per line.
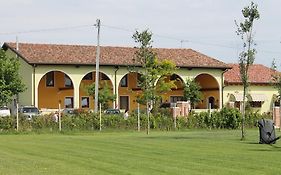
x=10, y=81
x=7, y=123
x=276, y=81
x=105, y=94
x=244, y=30
x=247, y=56
x=227, y=118
x=154, y=70
x=192, y=92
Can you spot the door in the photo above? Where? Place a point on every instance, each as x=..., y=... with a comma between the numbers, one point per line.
x=124, y=102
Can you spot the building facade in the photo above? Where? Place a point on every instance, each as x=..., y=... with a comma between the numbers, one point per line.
x=261, y=94
x=60, y=74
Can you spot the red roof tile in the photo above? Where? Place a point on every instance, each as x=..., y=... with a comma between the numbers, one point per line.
x=258, y=74
x=81, y=54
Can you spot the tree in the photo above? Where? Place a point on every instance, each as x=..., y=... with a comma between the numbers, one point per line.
x=154, y=72
x=192, y=92
x=276, y=81
x=247, y=56
x=105, y=94
x=11, y=83
x=273, y=65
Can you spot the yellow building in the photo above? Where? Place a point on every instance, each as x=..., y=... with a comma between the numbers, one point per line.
x=261, y=96
x=57, y=74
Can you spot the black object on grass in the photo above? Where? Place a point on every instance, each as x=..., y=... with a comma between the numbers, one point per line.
x=267, y=131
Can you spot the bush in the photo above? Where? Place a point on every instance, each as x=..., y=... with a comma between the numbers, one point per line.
x=7, y=123
x=226, y=118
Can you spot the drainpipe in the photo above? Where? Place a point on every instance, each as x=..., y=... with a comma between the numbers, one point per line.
x=115, y=83
x=34, y=66
x=222, y=87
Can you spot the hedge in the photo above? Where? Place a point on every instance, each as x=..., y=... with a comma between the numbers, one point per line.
x=226, y=118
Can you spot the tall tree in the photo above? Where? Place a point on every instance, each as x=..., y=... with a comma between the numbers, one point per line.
x=10, y=81
x=192, y=92
x=154, y=72
x=247, y=56
x=276, y=81
x=273, y=65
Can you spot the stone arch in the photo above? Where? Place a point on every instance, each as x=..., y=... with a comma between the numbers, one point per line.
x=128, y=91
x=176, y=93
x=85, y=100
x=209, y=87
x=54, y=87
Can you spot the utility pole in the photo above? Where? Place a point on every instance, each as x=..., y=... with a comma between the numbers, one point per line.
x=17, y=96
x=97, y=66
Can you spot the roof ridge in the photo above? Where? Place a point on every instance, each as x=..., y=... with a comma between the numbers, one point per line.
x=87, y=45
x=112, y=55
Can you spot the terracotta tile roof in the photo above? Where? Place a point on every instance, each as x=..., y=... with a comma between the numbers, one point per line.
x=81, y=54
x=258, y=74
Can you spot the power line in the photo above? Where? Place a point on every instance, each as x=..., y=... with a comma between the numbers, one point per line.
x=180, y=40
x=118, y=28
x=46, y=30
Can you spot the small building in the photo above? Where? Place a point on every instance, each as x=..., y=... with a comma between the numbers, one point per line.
x=261, y=96
x=57, y=74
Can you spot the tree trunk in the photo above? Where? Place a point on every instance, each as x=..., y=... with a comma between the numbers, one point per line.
x=148, y=122
x=243, y=114
x=279, y=113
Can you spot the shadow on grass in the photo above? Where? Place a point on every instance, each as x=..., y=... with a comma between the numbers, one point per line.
x=264, y=147
x=172, y=138
x=252, y=143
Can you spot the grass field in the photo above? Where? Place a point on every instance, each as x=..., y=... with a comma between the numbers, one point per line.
x=188, y=152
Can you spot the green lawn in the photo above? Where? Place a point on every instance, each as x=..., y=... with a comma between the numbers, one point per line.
x=188, y=152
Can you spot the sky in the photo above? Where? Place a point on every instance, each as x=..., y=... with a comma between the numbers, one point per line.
x=206, y=26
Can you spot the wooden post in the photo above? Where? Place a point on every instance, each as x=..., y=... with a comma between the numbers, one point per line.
x=17, y=112
x=100, y=116
x=175, y=117
x=59, y=116
x=138, y=117
x=148, y=122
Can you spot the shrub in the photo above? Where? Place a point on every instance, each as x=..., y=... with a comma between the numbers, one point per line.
x=226, y=118
x=7, y=123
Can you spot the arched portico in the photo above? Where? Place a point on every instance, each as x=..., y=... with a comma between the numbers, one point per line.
x=75, y=73
x=86, y=101
x=176, y=92
x=53, y=88
x=128, y=91
x=210, y=89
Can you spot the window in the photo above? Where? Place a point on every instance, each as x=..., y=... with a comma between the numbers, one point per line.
x=174, y=77
x=237, y=104
x=124, y=102
x=211, y=103
x=103, y=76
x=50, y=81
x=174, y=99
x=67, y=81
x=89, y=76
x=124, y=81
x=68, y=102
x=255, y=104
x=85, y=102
x=139, y=80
